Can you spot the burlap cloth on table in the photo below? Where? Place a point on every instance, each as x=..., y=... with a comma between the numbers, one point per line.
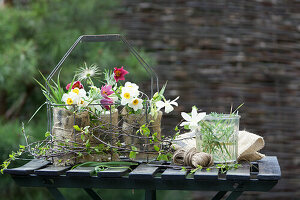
x=248, y=146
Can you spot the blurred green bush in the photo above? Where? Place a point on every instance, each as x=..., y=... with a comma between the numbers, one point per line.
x=34, y=37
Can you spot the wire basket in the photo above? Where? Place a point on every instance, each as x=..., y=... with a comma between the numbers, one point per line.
x=112, y=135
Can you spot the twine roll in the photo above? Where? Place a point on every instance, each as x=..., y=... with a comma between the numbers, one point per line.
x=192, y=158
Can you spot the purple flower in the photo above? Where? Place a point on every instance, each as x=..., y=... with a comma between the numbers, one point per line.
x=106, y=91
x=106, y=103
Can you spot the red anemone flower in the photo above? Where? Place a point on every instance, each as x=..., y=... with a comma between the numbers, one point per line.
x=120, y=73
x=76, y=84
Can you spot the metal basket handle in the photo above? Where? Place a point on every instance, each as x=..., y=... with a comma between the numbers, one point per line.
x=108, y=38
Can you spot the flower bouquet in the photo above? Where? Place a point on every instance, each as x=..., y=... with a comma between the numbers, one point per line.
x=86, y=125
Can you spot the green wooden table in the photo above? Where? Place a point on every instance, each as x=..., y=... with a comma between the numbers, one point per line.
x=255, y=176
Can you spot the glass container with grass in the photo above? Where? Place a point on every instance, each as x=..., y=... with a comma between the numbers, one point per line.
x=218, y=135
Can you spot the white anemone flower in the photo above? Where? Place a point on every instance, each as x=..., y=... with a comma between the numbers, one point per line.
x=136, y=104
x=192, y=120
x=167, y=104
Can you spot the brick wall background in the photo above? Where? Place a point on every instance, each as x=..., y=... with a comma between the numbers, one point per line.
x=215, y=53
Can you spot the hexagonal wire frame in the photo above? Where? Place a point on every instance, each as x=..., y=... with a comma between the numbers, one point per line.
x=101, y=38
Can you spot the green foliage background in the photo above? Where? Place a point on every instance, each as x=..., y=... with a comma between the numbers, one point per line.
x=34, y=35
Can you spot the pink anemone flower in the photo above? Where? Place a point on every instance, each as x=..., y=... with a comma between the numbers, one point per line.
x=106, y=91
x=106, y=103
x=76, y=84
x=120, y=73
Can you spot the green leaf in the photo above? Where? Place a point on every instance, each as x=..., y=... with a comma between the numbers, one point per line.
x=22, y=146
x=134, y=148
x=176, y=128
x=156, y=148
x=82, y=137
x=47, y=134
x=36, y=112
x=132, y=155
x=87, y=144
x=187, y=127
x=76, y=127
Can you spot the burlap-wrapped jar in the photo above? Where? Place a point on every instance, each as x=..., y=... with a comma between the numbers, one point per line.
x=132, y=123
x=103, y=128
x=64, y=133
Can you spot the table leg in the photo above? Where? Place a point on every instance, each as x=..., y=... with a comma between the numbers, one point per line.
x=219, y=195
x=234, y=195
x=56, y=193
x=150, y=194
x=92, y=194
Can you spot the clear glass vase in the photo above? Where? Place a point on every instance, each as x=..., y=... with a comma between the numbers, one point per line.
x=218, y=135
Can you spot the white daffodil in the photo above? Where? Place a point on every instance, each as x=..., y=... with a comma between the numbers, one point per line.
x=132, y=87
x=128, y=93
x=126, y=96
x=192, y=120
x=80, y=92
x=167, y=104
x=70, y=98
x=82, y=103
x=136, y=104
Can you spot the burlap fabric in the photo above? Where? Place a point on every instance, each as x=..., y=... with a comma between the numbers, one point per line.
x=132, y=123
x=103, y=128
x=63, y=131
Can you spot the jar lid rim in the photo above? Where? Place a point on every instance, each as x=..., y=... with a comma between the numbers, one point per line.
x=223, y=116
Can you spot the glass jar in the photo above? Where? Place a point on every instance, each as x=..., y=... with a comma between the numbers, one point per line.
x=218, y=135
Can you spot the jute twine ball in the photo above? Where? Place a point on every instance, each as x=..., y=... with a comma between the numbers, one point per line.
x=193, y=158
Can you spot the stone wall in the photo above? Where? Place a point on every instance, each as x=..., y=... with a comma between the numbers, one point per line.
x=217, y=53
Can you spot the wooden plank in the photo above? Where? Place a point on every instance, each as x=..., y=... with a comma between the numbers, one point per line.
x=51, y=171
x=80, y=171
x=202, y=174
x=143, y=172
x=28, y=168
x=113, y=172
x=269, y=168
x=173, y=174
x=241, y=173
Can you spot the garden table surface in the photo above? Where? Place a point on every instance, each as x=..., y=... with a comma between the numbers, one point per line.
x=261, y=175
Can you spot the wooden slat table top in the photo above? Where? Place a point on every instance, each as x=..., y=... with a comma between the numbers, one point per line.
x=241, y=173
x=268, y=168
x=172, y=174
x=144, y=176
x=114, y=172
x=202, y=174
x=51, y=171
x=28, y=168
x=143, y=171
x=80, y=171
